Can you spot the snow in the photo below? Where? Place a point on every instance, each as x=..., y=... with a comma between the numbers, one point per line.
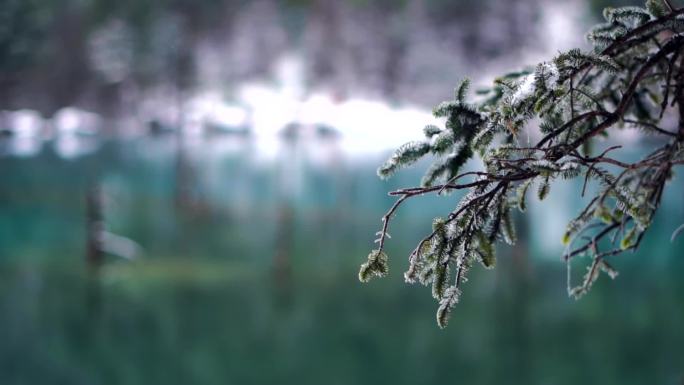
x=524, y=90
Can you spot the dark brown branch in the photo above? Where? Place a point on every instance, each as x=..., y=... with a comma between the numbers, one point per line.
x=670, y=47
x=651, y=126
x=386, y=220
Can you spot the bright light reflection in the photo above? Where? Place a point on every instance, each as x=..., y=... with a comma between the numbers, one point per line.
x=365, y=127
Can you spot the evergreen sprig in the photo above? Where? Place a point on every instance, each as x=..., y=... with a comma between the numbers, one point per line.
x=634, y=77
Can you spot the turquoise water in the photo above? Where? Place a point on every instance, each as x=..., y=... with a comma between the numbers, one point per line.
x=248, y=276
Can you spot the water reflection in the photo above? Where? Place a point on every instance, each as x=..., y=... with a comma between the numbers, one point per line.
x=250, y=277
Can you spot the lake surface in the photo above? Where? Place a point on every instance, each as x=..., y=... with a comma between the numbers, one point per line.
x=248, y=276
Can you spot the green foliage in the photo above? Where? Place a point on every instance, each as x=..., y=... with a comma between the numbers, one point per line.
x=522, y=195
x=544, y=188
x=633, y=77
x=453, y=145
x=656, y=8
x=446, y=304
x=486, y=252
x=376, y=266
x=404, y=156
x=629, y=240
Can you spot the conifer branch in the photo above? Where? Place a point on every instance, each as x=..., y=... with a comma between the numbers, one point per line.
x=636, y=69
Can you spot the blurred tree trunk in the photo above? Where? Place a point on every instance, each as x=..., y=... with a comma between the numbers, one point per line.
x=94, y=229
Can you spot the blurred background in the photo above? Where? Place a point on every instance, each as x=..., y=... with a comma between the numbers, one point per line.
x=187, y=189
